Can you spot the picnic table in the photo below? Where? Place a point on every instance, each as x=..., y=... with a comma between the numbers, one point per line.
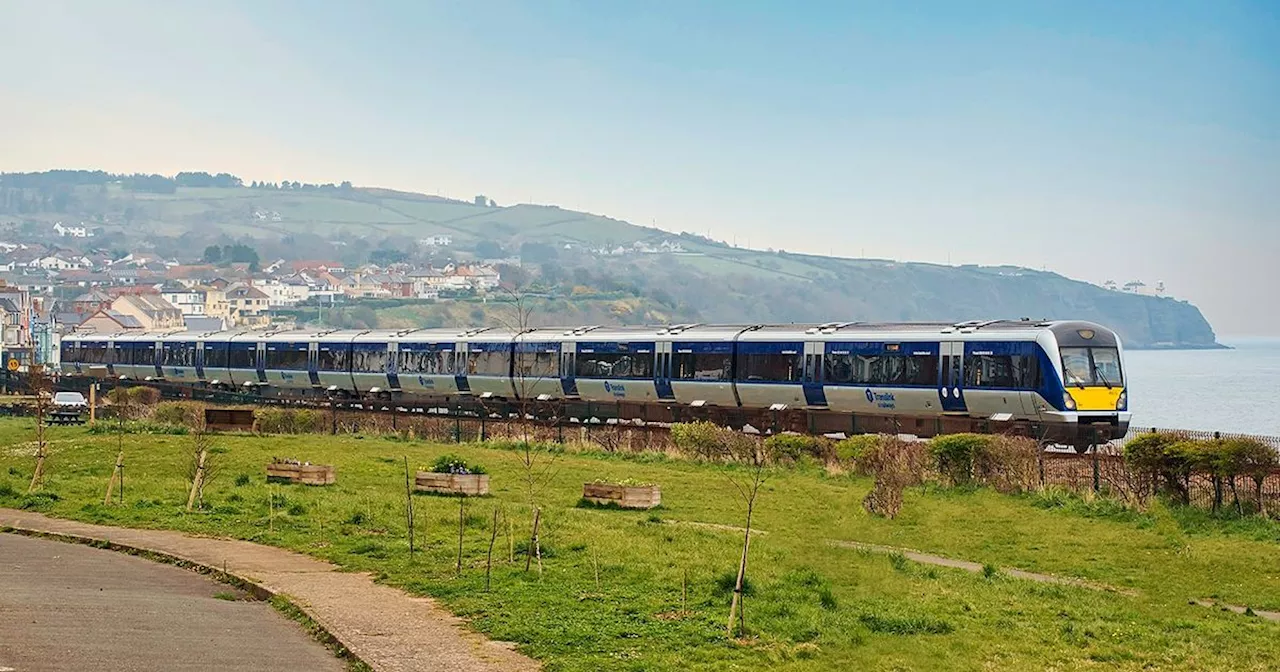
x=65, y=417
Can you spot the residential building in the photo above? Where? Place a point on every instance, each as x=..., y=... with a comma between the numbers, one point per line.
x=437, y=240
x=427, y=283
x=188, y=300
x=12, y=333
x=284, y=292
x=151, y=310
x=248, y=306
x=109, y=322
x=71, y=231
x=91, y=302
x=216, y=304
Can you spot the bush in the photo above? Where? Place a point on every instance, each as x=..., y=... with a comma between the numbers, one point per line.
x=852, y=448
x=289, y=421
x=955, y=454
x=144, y=396
x=896, y=465
x=184, y=413
x=697, y=438
x=1163, y=458
x=452, y=464
x=793, y=447
x=1008, y=464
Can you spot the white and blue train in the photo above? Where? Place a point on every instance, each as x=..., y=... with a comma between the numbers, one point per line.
x=1058, y=374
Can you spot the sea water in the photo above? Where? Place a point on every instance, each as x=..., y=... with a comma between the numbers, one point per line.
x=1236, y=390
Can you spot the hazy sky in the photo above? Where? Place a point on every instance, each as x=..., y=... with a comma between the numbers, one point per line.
x=1103, y=140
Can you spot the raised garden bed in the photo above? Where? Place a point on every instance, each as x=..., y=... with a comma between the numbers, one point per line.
x=292, y=471
x=468, y=485
x=623, y=495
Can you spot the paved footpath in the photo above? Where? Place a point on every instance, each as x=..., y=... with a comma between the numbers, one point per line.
x=386, y=628
x=72, y=607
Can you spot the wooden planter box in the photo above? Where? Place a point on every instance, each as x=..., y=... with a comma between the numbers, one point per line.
x=625, y=496
x=469, y=485
x=306, y=474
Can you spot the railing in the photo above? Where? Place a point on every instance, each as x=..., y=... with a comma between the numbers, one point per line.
x=1134, y=432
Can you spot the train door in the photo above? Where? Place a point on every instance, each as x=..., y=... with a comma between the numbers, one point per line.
x=261, y=358
x=951, y=377
x=814, y=395
x=569, y=368
x=198, y=358
x=662, y=370
x=393, y=365
x=460, y=367
x=313, y=363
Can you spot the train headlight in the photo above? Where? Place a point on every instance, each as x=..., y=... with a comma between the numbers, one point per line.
x=1068, y=401
x=1122, y=403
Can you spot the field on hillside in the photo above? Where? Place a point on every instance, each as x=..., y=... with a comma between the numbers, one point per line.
x=610, y=593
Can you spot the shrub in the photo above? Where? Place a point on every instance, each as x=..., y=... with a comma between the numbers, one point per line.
x=184, y=413
x=710, y=441
x=144, y=396
x=1008, y=463
x=289, y=421
x=852, y=448
x=955, y=455
x=793, y=447
x=1254, y=460
x=697, y=438
x=895, y=464
x=452, y=464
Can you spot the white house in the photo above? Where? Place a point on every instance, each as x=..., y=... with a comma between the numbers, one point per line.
x=54, y=262
x=189, y=300
x=438, y=240
x=284, y=292
x=71, y=231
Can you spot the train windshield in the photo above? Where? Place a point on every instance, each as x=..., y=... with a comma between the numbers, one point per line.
x=1092, y=366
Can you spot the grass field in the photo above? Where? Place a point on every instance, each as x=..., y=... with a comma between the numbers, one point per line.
x=811, y=606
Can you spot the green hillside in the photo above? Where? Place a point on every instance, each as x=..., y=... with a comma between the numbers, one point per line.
x=560, y=253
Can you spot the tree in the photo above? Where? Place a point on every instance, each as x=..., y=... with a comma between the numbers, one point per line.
x=488, y=249
x=746, y=482
x=538, y=252
x=212, y=254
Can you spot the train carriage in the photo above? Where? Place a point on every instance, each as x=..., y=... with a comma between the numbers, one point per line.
x=608, y=364
x=486, y=356
x=428, y=363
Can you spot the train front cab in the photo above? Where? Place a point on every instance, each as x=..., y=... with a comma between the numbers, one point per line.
x=1090, y=403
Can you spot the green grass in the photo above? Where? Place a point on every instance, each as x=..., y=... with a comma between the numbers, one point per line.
x=809, y=606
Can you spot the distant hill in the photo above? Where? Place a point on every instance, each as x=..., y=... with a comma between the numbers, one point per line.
x=568, y=253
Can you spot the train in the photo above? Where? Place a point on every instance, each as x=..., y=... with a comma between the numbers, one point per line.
x=1065, y=379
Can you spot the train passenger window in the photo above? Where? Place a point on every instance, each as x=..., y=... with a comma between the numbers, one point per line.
x=614, y=365
x=215, y=355
x=908, y=369
x=702, y=366
x=1007, y=371
x=536, y=364
x=432, y=362
x=242, y=356
x=178, y=354
x=333, y=357
x=489, y=363
x=286, y=356
x=771, y=367
x=369, y=359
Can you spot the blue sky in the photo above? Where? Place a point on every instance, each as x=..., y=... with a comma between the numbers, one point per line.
x=1102, y=140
